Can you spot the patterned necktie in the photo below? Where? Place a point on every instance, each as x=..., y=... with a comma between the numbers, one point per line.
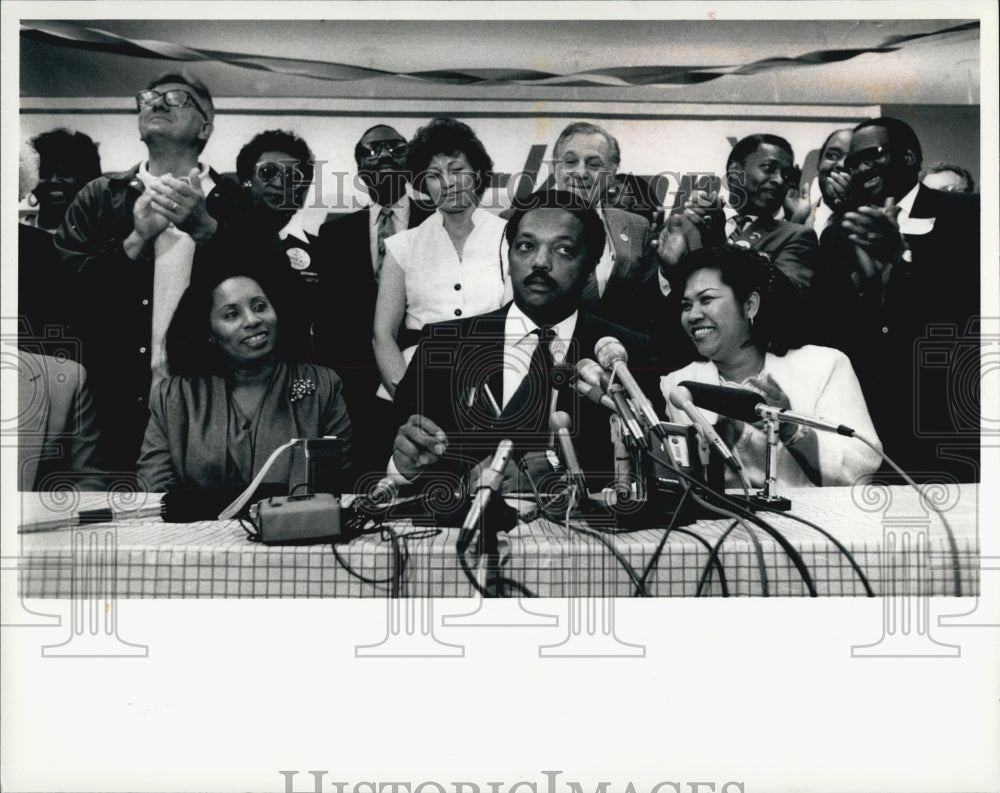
x=742, y=223
x=385, y=229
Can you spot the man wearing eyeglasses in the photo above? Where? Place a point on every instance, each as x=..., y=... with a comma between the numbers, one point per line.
x=901, y=288
x=129, y=241
x=352, y=248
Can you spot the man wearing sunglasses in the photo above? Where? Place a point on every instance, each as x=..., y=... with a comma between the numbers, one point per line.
x=351, y=248
x=903, y=271
x=129, y=242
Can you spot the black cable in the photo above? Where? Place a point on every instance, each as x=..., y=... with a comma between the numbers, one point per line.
x=952, y=544
x=748, y=515
x=847, y=554
x=758, y=552
x=786, y=546
x=655, y=558
x=626, y=565
x=343, y=563
x=718, y=564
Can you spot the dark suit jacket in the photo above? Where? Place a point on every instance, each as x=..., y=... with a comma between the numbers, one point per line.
x=455, y=358
x=57, y=435
x=791, y=247
x=630, y=296
x=915, y=350
x=342, y=330
x=344, y=333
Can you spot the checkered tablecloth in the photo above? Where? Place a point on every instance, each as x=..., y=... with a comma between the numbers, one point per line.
x=898, y=543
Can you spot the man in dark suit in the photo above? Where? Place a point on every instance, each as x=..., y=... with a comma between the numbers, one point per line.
x=623, y=286
x=475, y=381
x=759, y=172
x=350, y=250
x=57, y=434
x=900, y=291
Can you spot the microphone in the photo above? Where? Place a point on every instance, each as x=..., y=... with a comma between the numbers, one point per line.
x=560, y=423
x=612, y=355
x=489, y=483
x=746, y=405
x=622, y=462
x=680, y=398
x=564, y=376
x=378, y=497
x=592, y=373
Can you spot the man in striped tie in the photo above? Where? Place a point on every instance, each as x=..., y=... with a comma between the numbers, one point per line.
x=759, y=172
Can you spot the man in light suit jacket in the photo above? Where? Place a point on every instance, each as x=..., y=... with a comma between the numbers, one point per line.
x=475, y=381
x=900, y=295
x=349, y=249
x=57, y=429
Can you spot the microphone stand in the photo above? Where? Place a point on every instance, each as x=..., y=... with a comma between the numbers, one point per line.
x=495, y=518
x=768, y=497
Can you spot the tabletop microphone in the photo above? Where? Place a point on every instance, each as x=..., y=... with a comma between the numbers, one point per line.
x=378, y=497
x=624, y=474
x=564, y=375
x=592, y=373
x=612, y=355
x=746, y=405
x=680, y=398
x=560, y=423
x=489, y=483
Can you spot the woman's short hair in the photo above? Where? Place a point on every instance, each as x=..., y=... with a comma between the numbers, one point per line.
x=274, y=140
x=593, y=227
x=778, y=324
x=190, y=353
x=447, y=136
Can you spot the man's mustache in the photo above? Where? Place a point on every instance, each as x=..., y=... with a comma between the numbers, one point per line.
x=540, y=278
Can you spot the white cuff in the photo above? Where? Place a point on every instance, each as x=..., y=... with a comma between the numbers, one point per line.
x=664, y=284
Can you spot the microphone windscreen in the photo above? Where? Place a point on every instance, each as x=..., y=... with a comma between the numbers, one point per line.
x=609, y=351
x=680, y=396
x=562, y=375
x=560, y=420
x=737, y=403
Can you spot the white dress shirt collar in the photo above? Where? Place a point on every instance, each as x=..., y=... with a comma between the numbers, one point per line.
x=293, y=228
x=520, y=342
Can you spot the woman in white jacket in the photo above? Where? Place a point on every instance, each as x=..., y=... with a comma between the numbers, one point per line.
x=725, y=311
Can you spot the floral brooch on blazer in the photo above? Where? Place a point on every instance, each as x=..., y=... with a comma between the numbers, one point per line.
x=300, y=389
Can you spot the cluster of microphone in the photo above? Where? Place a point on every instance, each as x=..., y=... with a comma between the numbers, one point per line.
x=608, y=382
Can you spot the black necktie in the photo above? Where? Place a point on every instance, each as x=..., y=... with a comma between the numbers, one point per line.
x=531, y=399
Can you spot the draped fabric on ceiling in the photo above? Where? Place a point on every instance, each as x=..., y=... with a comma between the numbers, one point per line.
x=81, y=37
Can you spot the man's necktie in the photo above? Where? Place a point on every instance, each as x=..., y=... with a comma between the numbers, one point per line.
x=385, y=229
x=742, y=223
x=531, y=400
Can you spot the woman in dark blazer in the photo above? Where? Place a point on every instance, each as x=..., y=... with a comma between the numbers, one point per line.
x=237, y=388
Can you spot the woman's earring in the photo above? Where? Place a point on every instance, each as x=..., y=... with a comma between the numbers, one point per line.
x=247, y=183
x=751, y=320
x=32, y=199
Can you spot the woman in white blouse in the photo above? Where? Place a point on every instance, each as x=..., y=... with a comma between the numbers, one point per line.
x=450, y=265
x=725, y=310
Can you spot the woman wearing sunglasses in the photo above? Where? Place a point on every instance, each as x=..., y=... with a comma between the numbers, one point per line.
x=276, y=167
